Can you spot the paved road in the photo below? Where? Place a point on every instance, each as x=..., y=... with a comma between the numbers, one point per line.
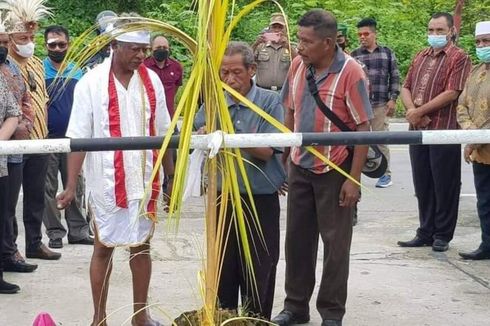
x=388, y=285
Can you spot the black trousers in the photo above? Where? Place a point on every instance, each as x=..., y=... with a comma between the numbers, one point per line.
x=234, y=277
x=3, y=216
x=481, y=173
x=436, y=171
x=313, y=212
x=31, y=174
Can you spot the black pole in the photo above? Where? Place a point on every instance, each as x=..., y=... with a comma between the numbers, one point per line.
x=309, y=139
x=362, y=138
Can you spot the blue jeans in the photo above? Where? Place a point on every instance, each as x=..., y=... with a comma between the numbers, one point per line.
x=481, y=173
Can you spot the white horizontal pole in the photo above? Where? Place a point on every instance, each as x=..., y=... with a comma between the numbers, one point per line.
x=65, y=145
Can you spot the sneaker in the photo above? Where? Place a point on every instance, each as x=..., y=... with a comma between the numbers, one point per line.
x=384, y=181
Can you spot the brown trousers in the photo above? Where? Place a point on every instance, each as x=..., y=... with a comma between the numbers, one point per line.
x=380, y=122
x=313, y=210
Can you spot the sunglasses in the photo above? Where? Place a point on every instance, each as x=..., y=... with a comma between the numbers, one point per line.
x=31, y=81
x=59, y=45
x=365, y=34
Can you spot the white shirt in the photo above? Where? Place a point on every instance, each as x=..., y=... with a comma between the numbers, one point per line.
x=90, y=119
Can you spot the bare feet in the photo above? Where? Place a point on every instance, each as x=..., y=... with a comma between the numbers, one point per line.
x=100, y=322
x=144, y=320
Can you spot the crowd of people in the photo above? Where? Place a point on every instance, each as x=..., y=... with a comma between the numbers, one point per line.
x=136, y=77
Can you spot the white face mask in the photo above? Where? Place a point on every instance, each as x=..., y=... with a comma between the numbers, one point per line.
x=26, y=50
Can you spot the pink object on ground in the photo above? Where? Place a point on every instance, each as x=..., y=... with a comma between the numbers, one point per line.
x=43, y=319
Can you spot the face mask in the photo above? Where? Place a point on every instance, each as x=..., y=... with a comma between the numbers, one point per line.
x=483, y=54
x=26, y=50
x=56, y=56
x=3, y=54
x=437, y=41
x=160, y=55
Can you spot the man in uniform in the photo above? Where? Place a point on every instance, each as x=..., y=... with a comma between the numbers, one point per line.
x=273, y=53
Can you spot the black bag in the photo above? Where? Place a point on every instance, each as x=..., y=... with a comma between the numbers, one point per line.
x=376, y=163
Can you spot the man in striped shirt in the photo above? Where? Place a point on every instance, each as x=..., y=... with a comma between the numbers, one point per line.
x=430, y=94
x=384, y=82
x=321, y=200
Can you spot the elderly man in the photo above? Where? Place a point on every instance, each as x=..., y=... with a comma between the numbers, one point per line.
x=265, y=174
x=119, y=98
x=474, y=113
x=321, y=200
x=31, y=173
x=430, y=94
x=273, y=53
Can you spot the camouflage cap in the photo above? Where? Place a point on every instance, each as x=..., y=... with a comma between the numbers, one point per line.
x=342, y=29
x=277, y=18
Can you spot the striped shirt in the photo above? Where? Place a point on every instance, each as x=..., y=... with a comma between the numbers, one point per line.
x=343, y=88
x=33, y=74
x=431, y=74
x=383, y=74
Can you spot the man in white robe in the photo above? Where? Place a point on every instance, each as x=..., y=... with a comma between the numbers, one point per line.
x=119, y=98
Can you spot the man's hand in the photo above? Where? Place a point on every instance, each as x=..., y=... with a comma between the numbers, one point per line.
x=390, y=108
x=468, y=150
x=65, y=198
x=349, y=194
x=283, y=190
x=413, y=116
x=23, y=130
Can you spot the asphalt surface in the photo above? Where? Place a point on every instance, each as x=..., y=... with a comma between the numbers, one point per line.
x=388, y=285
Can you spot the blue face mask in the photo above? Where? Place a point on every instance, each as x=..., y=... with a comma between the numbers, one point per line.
x=483, y=54
x=437, y=41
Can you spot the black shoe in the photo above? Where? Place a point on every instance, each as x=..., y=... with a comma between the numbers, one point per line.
x=18, y=266
x=415, y=242
x=8, y=288
x=55, y=243
x=440, y=245
x=84, y=241
x=286, y=317
x=331, y=322
x=43, y=253
x=478, y=254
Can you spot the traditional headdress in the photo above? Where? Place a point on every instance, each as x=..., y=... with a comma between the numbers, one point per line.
x=4, y=16
x=141, y=37
x=24, y=14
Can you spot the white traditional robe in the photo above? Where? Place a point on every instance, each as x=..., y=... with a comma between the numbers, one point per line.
x=116, y=225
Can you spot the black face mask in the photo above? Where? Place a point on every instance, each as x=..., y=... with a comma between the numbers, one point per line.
x=3, y=54
x=56, y=56
x=160, y=55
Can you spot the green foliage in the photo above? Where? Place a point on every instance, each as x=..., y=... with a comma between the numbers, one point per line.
x=402, y=24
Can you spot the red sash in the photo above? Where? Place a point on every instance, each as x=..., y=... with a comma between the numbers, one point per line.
x=115, y=131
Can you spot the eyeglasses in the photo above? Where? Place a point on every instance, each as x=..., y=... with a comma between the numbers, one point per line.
x=365, y=34
x=60, y=45
x=31, y=81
